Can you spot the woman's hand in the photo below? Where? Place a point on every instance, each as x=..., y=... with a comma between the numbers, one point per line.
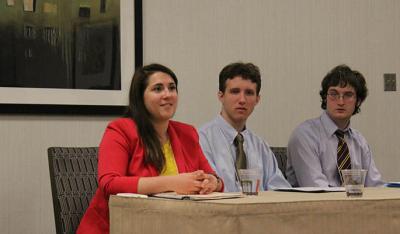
x=197, y=182
x=209, y=184
x=190, y=183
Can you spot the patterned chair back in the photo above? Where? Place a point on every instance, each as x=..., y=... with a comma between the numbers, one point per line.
x=73, y=177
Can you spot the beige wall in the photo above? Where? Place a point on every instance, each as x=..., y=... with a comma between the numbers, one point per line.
x=26, y=204
x=294, y=42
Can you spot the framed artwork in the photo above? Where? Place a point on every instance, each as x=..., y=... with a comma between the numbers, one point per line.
x=96, y=78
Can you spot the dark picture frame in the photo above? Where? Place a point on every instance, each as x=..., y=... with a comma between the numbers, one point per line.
x=84, y=101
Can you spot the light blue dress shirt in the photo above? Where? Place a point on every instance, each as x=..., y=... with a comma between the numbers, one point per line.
x=216, y=140
x=312, y=154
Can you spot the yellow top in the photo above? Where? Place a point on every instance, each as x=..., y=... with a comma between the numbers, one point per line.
x=170, y=167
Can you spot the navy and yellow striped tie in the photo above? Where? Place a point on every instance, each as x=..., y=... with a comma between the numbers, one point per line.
x=343, y=155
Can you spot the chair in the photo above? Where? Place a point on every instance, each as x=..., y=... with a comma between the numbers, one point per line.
x=281, y=157
x=73, y=176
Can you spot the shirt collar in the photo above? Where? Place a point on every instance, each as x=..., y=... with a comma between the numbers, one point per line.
x=229, y=132
x=330, y=126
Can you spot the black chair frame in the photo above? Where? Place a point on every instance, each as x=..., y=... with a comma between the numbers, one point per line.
x=281, y=157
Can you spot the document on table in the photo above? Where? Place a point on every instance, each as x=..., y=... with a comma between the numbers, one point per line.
x=198, y=197
x=312, y=189
x=393, y=184
x=132, y=195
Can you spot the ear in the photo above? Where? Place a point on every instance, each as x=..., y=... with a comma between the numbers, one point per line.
x=358, y=104
x=220, y=95
x=258, y=99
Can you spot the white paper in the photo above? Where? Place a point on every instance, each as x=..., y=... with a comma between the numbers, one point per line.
x=312, y=189
x=198, y=197
x=132, y=195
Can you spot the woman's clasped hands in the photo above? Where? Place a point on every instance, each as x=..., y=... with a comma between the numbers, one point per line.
x=197, y=182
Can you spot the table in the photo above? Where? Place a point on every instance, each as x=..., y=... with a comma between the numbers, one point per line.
x=378, y=211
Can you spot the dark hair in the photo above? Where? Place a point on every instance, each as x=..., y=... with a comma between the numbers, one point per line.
x=247, y=71
x=138, y=112
x=342, y=75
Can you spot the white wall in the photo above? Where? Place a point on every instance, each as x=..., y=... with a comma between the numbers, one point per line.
x=26, y=204
x=294, y=42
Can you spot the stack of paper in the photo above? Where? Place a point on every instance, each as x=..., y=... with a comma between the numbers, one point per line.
x=198, y=197
x=312, y=189
x=132, y=195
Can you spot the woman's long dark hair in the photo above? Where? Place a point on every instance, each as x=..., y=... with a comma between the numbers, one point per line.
x=138, y=112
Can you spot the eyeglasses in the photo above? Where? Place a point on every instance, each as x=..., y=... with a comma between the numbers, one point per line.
x=346, y=96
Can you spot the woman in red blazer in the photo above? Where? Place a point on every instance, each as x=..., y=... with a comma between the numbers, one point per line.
x=131, y=153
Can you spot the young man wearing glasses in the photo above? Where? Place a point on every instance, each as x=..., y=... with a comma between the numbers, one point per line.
x=319, y=148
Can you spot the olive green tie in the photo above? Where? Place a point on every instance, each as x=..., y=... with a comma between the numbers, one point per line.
x=241, y=161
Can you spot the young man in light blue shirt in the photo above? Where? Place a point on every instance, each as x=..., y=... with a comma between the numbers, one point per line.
x=315, y=154
x=239, y=93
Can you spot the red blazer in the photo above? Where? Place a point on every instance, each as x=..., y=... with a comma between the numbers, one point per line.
x=121, y=164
